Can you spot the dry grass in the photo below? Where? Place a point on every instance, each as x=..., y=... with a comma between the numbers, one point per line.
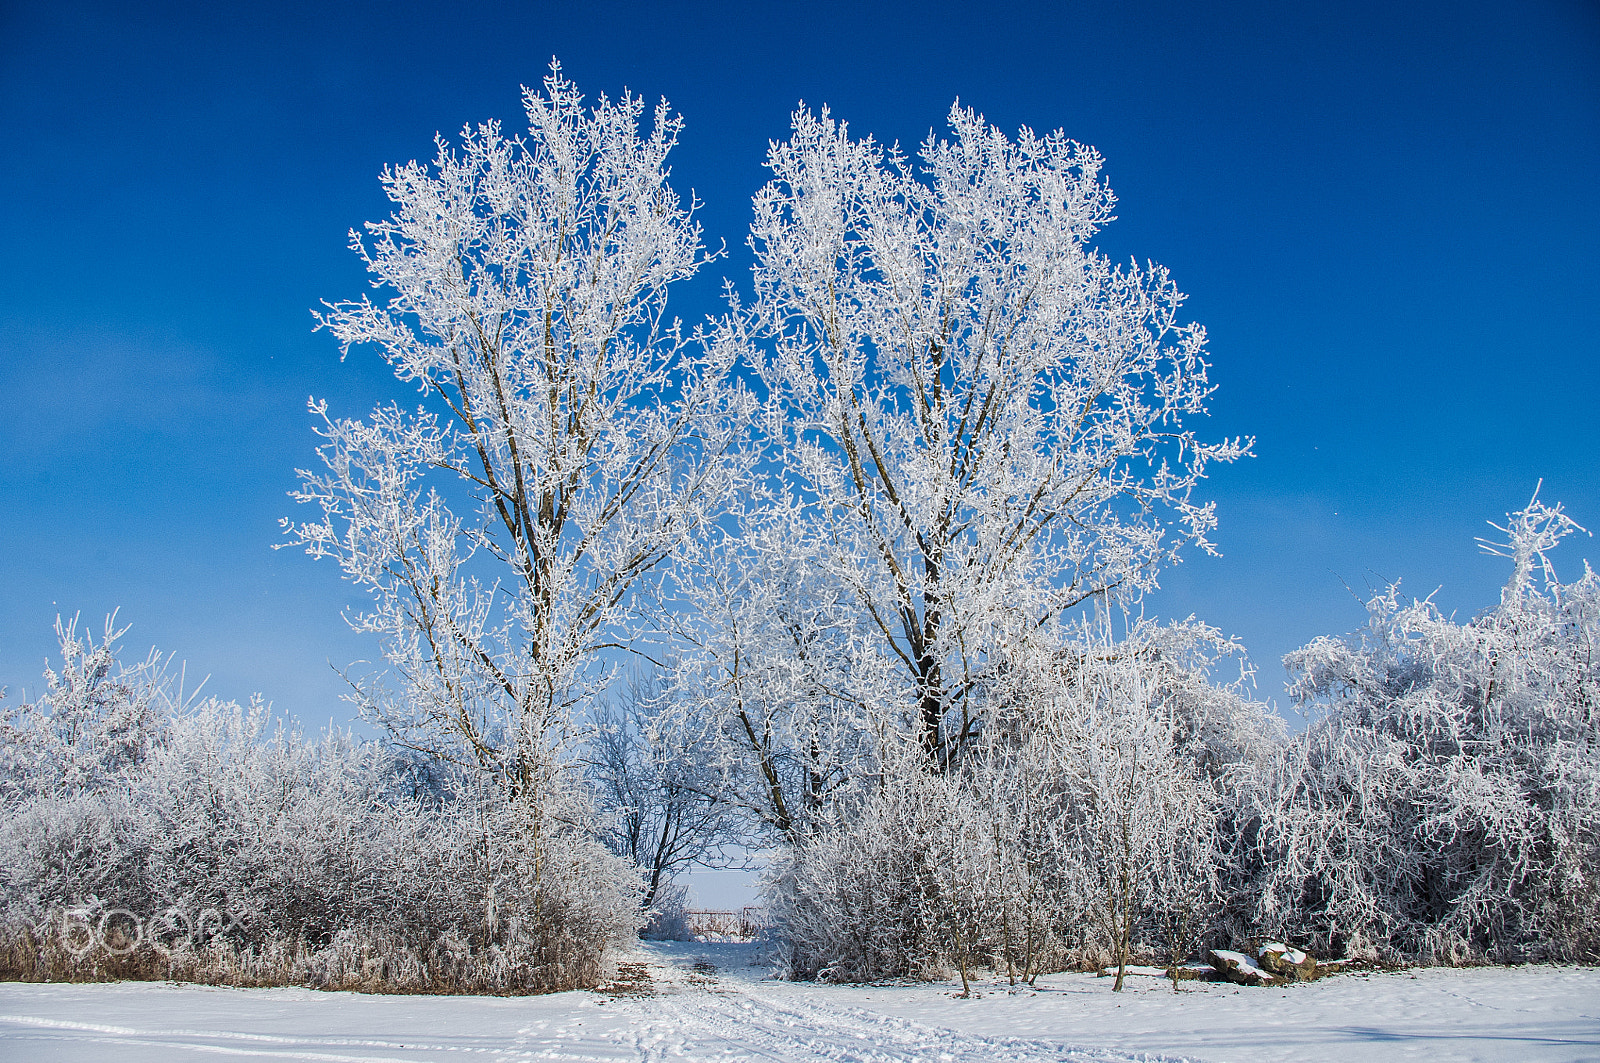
x=355, y=962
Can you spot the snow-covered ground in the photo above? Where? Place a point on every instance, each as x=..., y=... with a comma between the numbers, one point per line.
x=707, y=1002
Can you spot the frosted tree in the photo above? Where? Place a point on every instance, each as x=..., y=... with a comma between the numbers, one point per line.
x=1132, y=804
x=984, y=417
x=570, y=435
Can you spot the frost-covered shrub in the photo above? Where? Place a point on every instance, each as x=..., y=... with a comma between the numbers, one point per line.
x=1083, y=819
x=238, y=850
x=1444, y=804
x=667, y=916
x=884, y=892
x=96, y=718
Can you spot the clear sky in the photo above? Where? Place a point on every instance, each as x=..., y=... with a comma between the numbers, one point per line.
x=1386, y=215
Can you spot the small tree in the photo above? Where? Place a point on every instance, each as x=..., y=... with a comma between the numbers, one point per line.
x=655, y=795
x=1135, y=807
x=775, y=681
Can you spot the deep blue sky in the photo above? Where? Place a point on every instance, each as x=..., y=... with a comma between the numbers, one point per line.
x=1386, y=215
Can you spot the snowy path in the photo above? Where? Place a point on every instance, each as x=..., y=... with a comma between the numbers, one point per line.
x=705, y=1002
x=731, y=1018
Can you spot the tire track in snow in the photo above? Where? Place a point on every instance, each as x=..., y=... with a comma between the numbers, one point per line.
x=721, y=1020
x=226, y=1042
x=201, y=1041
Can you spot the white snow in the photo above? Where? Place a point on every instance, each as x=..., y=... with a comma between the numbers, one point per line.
x=1155, y=972
x=1533, y=1014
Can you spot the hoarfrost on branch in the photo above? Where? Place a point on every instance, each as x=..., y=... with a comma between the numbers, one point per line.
x=983, y=417
x=571, y=436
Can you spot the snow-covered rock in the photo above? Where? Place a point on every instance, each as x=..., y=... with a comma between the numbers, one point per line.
x=1289, y=964
x=1240, y=968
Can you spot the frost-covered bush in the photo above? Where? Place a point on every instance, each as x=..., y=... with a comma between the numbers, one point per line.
x=236, y=849
x=1085, y=818
x=1444, y=804
x=667, y=915
x=96, y=718
x=884, y=892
